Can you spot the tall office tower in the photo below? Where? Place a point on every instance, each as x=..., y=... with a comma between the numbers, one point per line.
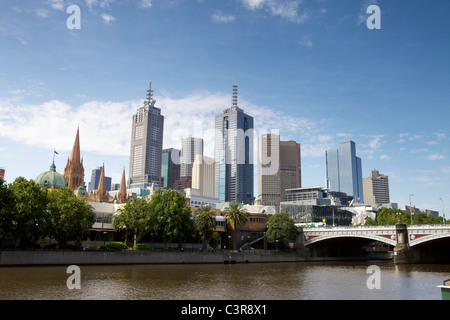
x=95, y=178
x=233, y=153
x=203, y=175
x=146, y=143
x=74, y=171
x=190, y=147
x=279, y=168
x=170, y=166
x=344, y=173
x=376, y=188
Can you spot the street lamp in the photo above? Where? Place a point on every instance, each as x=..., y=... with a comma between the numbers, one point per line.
x=410, y=210
x=229, y=242
x=443, y=213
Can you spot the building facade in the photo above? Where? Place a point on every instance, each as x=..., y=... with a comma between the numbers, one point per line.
x=203, y=175
x=146, y=143
x=376, y=188
x=95, y=178
x=279, y=168
x=344, y=171
x=170, y=167
x=233, y=153
x=190, y=148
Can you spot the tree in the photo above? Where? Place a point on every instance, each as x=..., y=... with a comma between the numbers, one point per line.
x=135, y=218
x=6, y=212
x=237, y=215
x=281, y=227
x=205, y=222
x=69, y=217
x=172, y=216
x=29, y=216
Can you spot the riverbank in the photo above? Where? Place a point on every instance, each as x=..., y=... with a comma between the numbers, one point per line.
x=68, y=257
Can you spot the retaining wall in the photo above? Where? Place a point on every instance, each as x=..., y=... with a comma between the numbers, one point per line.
x=25, y=258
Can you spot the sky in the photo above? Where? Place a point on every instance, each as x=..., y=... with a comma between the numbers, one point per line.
x=313, y=71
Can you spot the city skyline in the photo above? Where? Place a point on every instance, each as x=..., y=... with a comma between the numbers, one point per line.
x=311, y=70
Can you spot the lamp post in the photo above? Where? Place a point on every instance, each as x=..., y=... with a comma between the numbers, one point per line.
x=229, y=242
x=410, y=210
x=443, y=213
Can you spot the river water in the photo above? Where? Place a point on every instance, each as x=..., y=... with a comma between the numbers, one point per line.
x=252, y=281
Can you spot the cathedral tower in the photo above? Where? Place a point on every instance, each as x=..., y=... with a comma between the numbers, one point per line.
x=74, y=171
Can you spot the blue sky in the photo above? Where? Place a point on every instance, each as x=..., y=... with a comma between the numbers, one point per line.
x=309, y=69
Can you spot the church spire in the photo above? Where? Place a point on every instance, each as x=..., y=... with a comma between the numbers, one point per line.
x=74, y=171
x=102, y=195
x=122, y=196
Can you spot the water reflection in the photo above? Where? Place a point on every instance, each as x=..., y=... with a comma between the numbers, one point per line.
x=271, y=281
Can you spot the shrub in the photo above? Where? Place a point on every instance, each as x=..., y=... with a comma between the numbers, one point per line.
x=114, y=246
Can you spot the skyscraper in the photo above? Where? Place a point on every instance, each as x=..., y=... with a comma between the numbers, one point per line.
x=344, y=172
x=376, y=188
x=278, y=168
x=233, y=153
x=170, y=166
x=203, y=175
x=95, y=178
x=146, y=143
x=190, y=147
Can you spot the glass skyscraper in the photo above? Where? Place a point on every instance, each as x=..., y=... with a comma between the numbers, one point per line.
x=344, y=171
x=233, y=154
x=146, y=143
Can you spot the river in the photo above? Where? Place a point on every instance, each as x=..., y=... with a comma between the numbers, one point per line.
x=252, y=281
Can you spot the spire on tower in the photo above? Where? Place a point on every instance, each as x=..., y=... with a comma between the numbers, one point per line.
x=235, y=96
x=150, y=101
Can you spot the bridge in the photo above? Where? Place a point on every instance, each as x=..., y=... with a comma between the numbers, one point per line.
x=403, y=237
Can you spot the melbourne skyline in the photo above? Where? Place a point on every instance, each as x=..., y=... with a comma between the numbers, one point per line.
x=311, y=71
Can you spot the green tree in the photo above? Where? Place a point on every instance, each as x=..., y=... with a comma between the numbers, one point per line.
x=69, y=217
x=30, y=217
x=237, y=215
x=135, y=218
x=281, y=227
x=205, y=222
x=6, y=212
x=172, y=216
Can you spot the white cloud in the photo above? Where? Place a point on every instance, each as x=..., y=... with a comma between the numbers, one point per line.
x=107, y=18
x=56, y=4
x=42, y=13
x=306, y=41
x=145, y=3
x=220, y=17
x=105, y=127
x=385, y=157
x=435, y=156
x=288, y=10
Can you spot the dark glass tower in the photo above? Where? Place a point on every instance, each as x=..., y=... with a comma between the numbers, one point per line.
x=344, y=172
x=233, y=154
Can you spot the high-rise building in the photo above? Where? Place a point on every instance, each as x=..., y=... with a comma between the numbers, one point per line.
x=170, y=167
x=203, y=175
x=74, y=171
x=376, y=188
x=344, y=172
x=95, y=178
x=278, y=168
x=146, y=143
x=233, y=153
x=190, y=147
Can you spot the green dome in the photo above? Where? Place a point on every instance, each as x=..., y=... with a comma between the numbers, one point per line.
x=81, y=190
x=51, y=179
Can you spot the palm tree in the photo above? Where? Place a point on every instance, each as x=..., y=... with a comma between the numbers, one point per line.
x=205, y=221
x=236, y=214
